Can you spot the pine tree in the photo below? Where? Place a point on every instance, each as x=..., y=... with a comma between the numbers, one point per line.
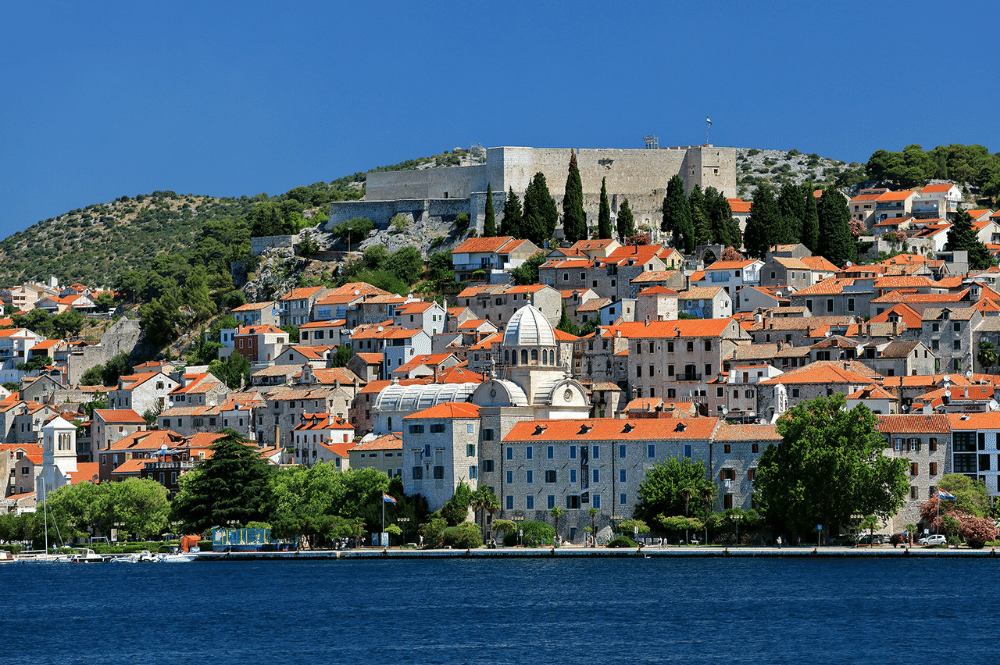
x=574, y=218
x=835, y=240
x=762, y=223
x=566, y=324
x=699, y=217
x=513, y=218
x=961, y=236
x=677, y=215
x=604, y=214
x=540, y=212
x=626, y=223
x=724, y=227
x=490, y=225
x=809, y=236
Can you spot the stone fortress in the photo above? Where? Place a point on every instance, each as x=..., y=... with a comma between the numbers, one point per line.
x=638, y=174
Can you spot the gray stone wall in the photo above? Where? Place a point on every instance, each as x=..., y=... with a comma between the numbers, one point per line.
x=122, y=336
x=258, y=245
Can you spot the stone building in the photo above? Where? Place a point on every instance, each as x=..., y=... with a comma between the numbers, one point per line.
x=924, y=441
x=440, y=445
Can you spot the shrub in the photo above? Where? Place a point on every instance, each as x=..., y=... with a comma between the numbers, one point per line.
x=399, y=223
x=462, y=222
x=205, y=545
x=623, y=541
x=977, y=531
x=535, y=534
x=463, y=536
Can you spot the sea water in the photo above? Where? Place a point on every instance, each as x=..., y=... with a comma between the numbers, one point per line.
x=503, y=611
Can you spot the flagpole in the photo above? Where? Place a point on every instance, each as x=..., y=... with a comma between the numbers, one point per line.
x=383, y=518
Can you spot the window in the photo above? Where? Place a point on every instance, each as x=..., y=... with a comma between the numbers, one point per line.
x=529, y=476
x=622, y=499
x=850, y=304
x=957, y=327
x=622, y=476
x=795, y=392
x=913, y=492
x=597, y=475
x=528, y=452
x=572, y=452
x=550, y=452
x=470, y=450
x=473, y=471
x=416, y=429
x=932, y=445
x=573, y=502
x=670, y=347
x=652, y=370
x=984, y=462
x=418, y=473
x=914, y=469
x=621, y=451
x=933, y=468
x=510, y=477
x=597, y=452
x=719, y=392
x=487, y=466
x=551, y=502
x=488, y=436
x=510, y=502
x=529, y=502
x=727, y=449
x=687, y=450
x=439, y=473
x=550, y=476
x=755, y=448
x=437, y=428
x=957, y=345
x=597, y=501
x=727, y=501
x=651, y=450
x=510, y=453
x=572, y=475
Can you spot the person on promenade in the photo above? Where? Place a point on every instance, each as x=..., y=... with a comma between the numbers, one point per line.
x=779, y=542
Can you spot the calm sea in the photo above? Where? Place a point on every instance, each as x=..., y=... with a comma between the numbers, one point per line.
x=503, y=611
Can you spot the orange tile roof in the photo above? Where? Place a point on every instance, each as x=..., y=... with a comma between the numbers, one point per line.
x=896, y=196
x=654, y=290
x=362, y=288
x=132, y=466
x=85, y=472
x=447, y=410
x=254, y=306
x=301, y=293
x=337, y=323
x=730, y=265
x=321, y=421
x=826, y=371
x=339, y=449
x=913, y=423
x=386, y=442
x=371, y=358
x=936, y=189
x=654, y=276
x=739, y=205
x=120, y=416
x=968, y=421
x=485, y=245
x=727, y=432
x=680, y=328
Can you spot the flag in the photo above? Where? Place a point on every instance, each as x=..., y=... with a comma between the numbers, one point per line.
x=943, y=494
x=708, y=120
x=388, y=499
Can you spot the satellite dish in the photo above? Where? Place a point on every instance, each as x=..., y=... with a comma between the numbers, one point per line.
x=968, y=374
x=947, y=379
x=761, y=421
x=993, y=405
x=725, y=410
x=849, y=264
x=826, y=334
x=947, y=393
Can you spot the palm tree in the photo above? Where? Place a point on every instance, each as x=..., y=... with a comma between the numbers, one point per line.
x=593, y=525
x=707, y=494
x=686, y=494
x=910, y=530
x=477, y=504
x=556, y=513
x=490, y=504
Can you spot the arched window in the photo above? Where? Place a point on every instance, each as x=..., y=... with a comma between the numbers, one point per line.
x=545, y=356
x=534, y=355
x=524, y=356
x=506, y=357
x=390, y=423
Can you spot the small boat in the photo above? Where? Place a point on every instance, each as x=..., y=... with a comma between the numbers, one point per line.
x=83, y=556
x=176, y=557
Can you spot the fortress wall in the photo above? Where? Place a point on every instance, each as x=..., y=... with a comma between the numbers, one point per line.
x=454, y=182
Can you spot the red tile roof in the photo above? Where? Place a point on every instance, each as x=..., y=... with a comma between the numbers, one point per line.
x=612, y=429
x=486, y=245
x=447, y=410
x=913, y=424
x=120, y=416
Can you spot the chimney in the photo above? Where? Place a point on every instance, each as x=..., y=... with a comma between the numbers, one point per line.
x=780, y=344
x=895, y=327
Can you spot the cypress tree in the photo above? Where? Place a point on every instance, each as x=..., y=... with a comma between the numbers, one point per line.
x=574, y=218
x=961, y=235
x=724, y=227
x=513, y=218
x=763, y=220
x=540, y=213
x=835, y=240
x=626, y=223
x=604, y=213
x=677, y=215
x=699, y=217
x=791, y=209
x=809, y=235
x=490, y=225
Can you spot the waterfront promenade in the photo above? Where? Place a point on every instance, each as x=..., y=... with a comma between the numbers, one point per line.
x=601, y=552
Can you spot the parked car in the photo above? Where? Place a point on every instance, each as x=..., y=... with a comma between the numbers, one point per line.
x=870, y=539
x=935, y=539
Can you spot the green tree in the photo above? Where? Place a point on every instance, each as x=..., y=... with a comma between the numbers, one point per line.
x=604, y=231
x=828, y=467
x=725, y=230
x=869, y=524
x=626, y=221
x=196, y=296
x=293, y=333
x=456, y=509
x=406, y=264
x=556, y=513
x=513, y=216
x=761, y=225
x=574, y=218
x=677, y=216
x=835, y=240
x=986, y=355
x=540, y=212
x=490, y=224
x=567, y=324
x=699, y=217
x=527, y=272
x=68, y=323
x=353, y=230
x=160, y=320
x=234, y=371
x=342, y=355
x=809, y=235
x=791, y=211
x=663, y=490
x=230, y=487
x=962, y=235
x=116, y=367
x=140, y=506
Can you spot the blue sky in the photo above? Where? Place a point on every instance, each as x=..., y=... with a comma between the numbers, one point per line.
x=110, y=98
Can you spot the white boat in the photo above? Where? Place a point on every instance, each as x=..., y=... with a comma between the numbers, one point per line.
x=83, y=556
x=176, y=557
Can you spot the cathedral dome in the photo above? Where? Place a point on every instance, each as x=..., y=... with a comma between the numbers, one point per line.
x=528, y=327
